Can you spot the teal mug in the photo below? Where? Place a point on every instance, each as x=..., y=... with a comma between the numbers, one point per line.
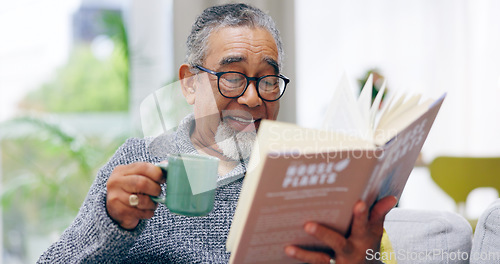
x=191, y=183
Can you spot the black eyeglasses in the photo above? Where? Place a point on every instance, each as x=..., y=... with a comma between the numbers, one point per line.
x=233, y=84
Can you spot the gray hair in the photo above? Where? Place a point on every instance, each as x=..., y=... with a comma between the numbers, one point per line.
x=228, y=15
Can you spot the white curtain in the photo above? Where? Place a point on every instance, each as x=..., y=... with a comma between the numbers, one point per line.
x=428, y=47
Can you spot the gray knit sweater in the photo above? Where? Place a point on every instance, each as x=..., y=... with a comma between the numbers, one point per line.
x=94, y=237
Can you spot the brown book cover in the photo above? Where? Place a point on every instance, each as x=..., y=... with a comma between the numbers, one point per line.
x=297, y=175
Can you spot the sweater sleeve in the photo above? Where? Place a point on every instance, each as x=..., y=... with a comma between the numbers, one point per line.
x=94, y=237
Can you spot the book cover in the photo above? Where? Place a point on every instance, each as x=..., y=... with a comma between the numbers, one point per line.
x=297, y=175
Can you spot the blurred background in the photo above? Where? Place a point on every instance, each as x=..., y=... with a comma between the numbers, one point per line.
x=73, y=74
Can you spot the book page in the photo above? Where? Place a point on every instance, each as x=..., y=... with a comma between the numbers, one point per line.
x=343, y=114
x=374, y=110
x=400, y=154
x=390, y=109
x=402, y=105
x=365, y=99
x=399, y=121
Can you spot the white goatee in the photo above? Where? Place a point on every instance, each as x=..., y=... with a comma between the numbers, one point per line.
x=235, y=145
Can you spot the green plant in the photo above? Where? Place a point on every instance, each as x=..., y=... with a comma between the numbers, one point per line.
x=47, y=171
x=88, y=83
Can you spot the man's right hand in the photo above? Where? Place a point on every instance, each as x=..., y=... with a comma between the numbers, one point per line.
x=142, y=179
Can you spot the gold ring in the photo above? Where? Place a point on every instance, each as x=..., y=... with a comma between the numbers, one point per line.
x=133, y=200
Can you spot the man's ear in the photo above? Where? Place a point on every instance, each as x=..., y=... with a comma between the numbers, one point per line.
x=187, y=79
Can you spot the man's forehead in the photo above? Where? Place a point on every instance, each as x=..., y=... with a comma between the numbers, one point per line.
x=238, y=44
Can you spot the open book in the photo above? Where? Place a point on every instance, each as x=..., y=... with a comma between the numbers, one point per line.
x=298, y=174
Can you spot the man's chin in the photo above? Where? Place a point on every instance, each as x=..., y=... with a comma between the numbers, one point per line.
x=235, y=144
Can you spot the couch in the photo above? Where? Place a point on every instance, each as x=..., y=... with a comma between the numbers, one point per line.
x=428, y=236
x=442, y=237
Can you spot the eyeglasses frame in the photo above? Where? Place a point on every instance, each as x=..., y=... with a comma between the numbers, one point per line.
x=256, y=79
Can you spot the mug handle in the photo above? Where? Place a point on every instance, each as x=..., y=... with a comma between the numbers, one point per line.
x=161, y=199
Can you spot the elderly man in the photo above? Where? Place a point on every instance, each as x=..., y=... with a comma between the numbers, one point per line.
x=234, y=56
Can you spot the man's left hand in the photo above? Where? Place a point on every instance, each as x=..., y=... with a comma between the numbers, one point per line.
x=366, y=233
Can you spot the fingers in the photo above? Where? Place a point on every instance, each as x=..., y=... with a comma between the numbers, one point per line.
x=138, y=184
x=371, y=221
x=142, y=168
x=331, y=238
x=366, y=232
x=138, y=178
x=144, y=210
x=360, y=219
x=381, y=208
x=141, y=179
x=126, y=216
x=307, y=256
x=145, y=202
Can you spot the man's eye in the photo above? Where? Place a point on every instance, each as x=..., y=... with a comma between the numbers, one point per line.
x=234, y=80
x=270, y=83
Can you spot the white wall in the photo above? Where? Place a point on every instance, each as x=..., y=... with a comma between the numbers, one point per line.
x=150, y=31
x=426, y=47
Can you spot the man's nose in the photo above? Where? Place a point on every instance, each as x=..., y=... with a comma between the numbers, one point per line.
x=250, y=97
